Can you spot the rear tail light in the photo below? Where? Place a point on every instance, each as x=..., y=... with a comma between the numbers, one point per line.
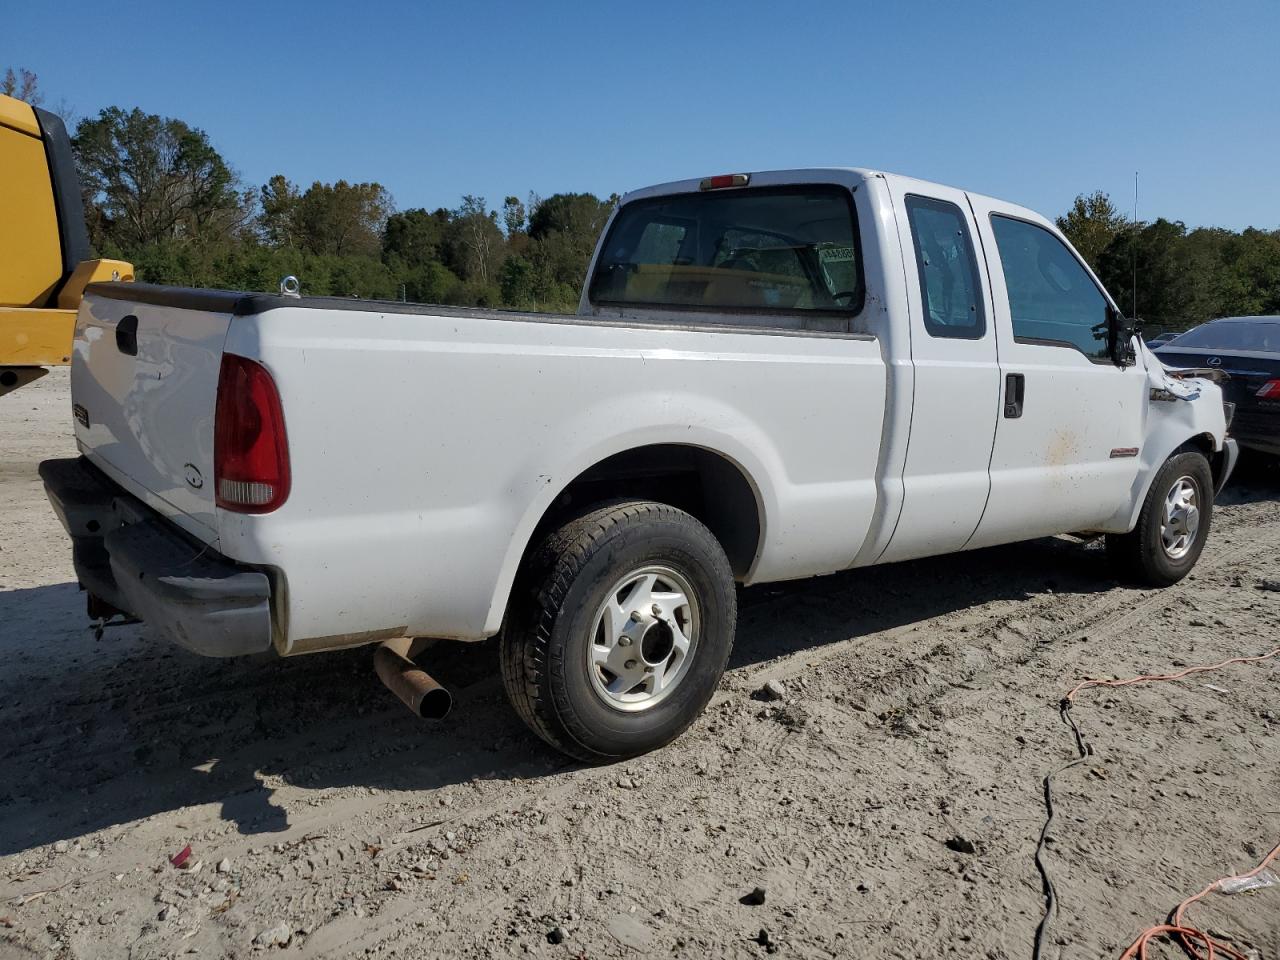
x=1270, y=390
x=250, y=450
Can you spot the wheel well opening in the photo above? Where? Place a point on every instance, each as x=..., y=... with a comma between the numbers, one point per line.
x=1217, y=459
x=1202, y=442
x=700, y=482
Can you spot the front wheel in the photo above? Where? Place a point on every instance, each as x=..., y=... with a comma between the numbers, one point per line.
x=1173, y=525
x=620, y=629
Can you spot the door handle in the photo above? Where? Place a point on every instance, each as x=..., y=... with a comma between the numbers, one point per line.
x=1015, y=387
x=127, y=335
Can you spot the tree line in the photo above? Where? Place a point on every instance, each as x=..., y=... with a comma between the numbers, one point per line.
x=157, y=193
x=1178, y=277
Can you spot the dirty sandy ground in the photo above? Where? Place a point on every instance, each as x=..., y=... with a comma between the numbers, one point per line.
x=921, y=707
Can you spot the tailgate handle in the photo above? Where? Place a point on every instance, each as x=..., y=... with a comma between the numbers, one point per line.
x=127, y=335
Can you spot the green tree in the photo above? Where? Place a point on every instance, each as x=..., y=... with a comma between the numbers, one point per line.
x=149, y=178
x=360, y=276
x=1092, y=224
x=563, y=230
x=474, y=246
x=415, y=237
x=1176, y=277
x=1248, y=275
x=513, y=216
x=249, y=265
x=577, y=215
x=1173, y=278
x=279, y=201
x=340, y=218
x=515, y=223
x=519, y=284
x=430, y=282
x=413, y=244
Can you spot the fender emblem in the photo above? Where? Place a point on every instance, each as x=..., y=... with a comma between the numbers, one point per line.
x=1120, y=452
x=194, y=478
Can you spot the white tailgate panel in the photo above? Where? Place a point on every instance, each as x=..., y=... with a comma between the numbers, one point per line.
x=151, y=415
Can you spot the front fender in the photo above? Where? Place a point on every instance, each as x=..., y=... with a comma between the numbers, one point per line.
x=1179, y=411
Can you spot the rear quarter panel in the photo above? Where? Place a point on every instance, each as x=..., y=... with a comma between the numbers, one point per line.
x=425, y=449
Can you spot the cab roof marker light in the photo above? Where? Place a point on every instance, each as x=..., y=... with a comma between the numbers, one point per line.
x=725, y=180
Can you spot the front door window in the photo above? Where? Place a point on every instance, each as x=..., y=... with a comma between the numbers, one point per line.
x=1052, y=299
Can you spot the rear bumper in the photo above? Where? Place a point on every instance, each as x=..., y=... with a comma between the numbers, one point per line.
x=133, y=559
x=1257, y=426
x=1268, y=445
x=1261, y=442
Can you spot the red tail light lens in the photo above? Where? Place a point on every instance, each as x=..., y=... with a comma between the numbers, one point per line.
x=725, y=180
x=250, y=450
x=1270, y=390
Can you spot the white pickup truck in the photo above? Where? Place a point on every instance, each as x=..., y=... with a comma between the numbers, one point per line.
x=770, y=376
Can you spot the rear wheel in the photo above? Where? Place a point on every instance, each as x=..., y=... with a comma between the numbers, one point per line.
x=620, y=628
x=1173, y=525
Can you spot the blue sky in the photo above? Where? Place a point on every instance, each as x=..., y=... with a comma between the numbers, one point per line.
x=1033, y=102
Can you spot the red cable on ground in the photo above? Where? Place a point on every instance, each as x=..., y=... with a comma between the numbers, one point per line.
x=1148, y=678
x=1195, y=941
x=1188, y=935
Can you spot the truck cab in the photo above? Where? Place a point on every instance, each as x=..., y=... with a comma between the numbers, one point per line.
x=1017, y=395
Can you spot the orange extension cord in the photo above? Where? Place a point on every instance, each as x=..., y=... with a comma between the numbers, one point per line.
x=1191, y=935
x=1196, y=942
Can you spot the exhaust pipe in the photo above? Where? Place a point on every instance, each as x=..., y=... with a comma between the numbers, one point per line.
x=413, y=685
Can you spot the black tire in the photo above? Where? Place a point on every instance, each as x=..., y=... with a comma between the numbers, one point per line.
x=1140, y=555
x=559, y=592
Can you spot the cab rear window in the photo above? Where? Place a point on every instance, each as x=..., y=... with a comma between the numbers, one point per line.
x=759, y=250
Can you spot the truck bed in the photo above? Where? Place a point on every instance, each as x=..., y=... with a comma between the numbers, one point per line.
x=428, y=442
x=243, y=304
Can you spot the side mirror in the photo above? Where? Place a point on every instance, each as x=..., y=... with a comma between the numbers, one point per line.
x=1120, y=336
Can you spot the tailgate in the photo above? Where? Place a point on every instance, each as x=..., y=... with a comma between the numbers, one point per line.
x=144, y=380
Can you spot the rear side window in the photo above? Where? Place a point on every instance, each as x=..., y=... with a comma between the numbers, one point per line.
x=758, y=250
x=1052, y=299
x=949, y=286
x=1258, y=335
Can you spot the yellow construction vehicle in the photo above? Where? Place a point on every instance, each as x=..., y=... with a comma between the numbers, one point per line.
x=44, y=247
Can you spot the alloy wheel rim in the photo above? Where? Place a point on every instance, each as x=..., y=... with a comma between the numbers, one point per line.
x=1181, y=518
x=643, y=638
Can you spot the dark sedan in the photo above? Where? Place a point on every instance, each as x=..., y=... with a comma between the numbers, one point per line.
x=1248, y=350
